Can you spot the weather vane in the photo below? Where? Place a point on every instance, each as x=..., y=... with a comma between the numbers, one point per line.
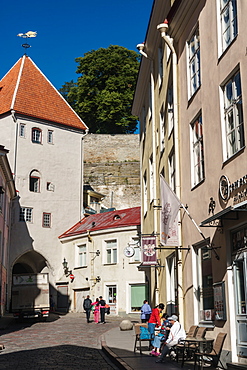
x=27, y=35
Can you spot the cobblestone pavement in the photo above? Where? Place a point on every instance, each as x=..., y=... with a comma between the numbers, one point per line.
x=63, y=342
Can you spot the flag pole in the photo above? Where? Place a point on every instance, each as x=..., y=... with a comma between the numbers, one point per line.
x=199, y=230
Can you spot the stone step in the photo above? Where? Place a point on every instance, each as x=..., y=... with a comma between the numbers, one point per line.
x=236, y=366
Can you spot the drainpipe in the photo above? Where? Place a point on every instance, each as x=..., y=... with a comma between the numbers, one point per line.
x=163, y=27
x=140, y=47
x=82, y=172
x=16, y=142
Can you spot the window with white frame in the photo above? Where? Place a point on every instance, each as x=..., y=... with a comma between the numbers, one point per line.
x=228, y=22
x=82, y=255
x=36, y=135
x=170, y=111
x=194, y=63
x=145, y=194
x=204, y=288
x=46, y=220
x=233, y=116
x=111, y=251
x=197, y=154
x=171, y=283
x=162, y=129
x=151, y=178
x=50, y=137
x=26, y=214
x=171, y=164
x=160, y=66
x=22, y=130
x=136, y=245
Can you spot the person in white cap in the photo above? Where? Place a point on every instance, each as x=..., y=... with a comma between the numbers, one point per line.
x=176, y=333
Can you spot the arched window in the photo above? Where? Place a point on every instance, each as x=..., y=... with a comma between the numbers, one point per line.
x=36, y=135
x=34, y=181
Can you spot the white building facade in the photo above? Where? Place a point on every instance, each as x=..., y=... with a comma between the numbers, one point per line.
x=102, y=253
x=44, y=137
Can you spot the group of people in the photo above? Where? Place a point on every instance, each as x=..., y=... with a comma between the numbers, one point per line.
x=165, y=330
x=98, y=307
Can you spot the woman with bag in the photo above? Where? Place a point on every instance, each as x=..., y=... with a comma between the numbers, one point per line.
x=154, y=320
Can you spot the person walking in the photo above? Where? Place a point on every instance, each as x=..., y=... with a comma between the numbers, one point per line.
x=87, y=303
x=95, y=306
x=145, y=311
x=177, y=332
x=154, y=320
x=102, y=309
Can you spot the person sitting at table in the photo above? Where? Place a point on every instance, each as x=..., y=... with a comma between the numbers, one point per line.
x=161, y=335
x=154, y=320
x=177, y=333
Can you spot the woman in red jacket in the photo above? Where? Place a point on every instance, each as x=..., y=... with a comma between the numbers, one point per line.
x=155, y=318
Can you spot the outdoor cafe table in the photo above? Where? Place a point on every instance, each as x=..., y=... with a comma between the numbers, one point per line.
x=201, y=344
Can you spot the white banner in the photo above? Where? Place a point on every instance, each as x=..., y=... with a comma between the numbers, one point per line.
x=170, y=206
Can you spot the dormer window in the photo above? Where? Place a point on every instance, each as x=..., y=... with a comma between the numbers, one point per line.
x=36, y=135
x=116, y=217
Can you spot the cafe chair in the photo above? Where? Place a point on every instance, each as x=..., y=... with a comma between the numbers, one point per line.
x=138, y=337
x=180, y=347
x=212, y=358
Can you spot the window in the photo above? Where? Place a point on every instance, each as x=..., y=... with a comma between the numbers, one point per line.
x=228, y=23
x=204, y=283
x=136, y=245
x=26, y=214
x=46, y=219
x=171, y=283
x=233, y=116
x=111, y=251
x=145, y=193
x=82, y=255
x=170, y=112
x=50, y=137
x=150, y=98
x=160, y=66
x=34, y=181
x=162, y=129
x=138, y=292
x=50, y=186
x=2, y=198
x=171, y=164
x=143, y=119
x=36, y=135
x=194, y=63
x=197, y=154
x=151, y=178
x=22, y=130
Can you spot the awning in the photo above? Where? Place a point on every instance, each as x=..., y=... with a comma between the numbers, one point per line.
x=227, y=213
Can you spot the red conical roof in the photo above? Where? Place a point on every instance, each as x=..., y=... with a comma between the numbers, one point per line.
x=27, y=91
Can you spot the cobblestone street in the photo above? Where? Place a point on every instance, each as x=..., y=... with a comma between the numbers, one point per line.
x=63, y=342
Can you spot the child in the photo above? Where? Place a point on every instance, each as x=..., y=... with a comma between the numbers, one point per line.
x=161, y=335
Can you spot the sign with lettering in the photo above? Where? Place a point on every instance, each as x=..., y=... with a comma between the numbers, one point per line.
x=219, y=301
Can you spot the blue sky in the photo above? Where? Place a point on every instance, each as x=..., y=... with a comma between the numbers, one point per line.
x=68, y=29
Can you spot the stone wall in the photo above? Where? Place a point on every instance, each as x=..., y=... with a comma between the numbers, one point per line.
x=112, y=167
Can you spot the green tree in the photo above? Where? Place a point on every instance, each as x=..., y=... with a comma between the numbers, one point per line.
x=104, y=92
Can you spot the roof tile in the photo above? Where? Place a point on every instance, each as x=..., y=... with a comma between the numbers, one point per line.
x=26, y=90
x=106, y=220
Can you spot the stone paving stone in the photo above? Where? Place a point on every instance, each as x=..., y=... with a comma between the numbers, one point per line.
x=63, y=342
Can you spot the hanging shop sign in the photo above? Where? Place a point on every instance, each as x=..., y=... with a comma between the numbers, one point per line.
x=148, y=250
x=226, y=188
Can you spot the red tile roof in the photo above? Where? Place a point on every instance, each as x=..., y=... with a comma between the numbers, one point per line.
x=106, y=220
x=27, y=91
